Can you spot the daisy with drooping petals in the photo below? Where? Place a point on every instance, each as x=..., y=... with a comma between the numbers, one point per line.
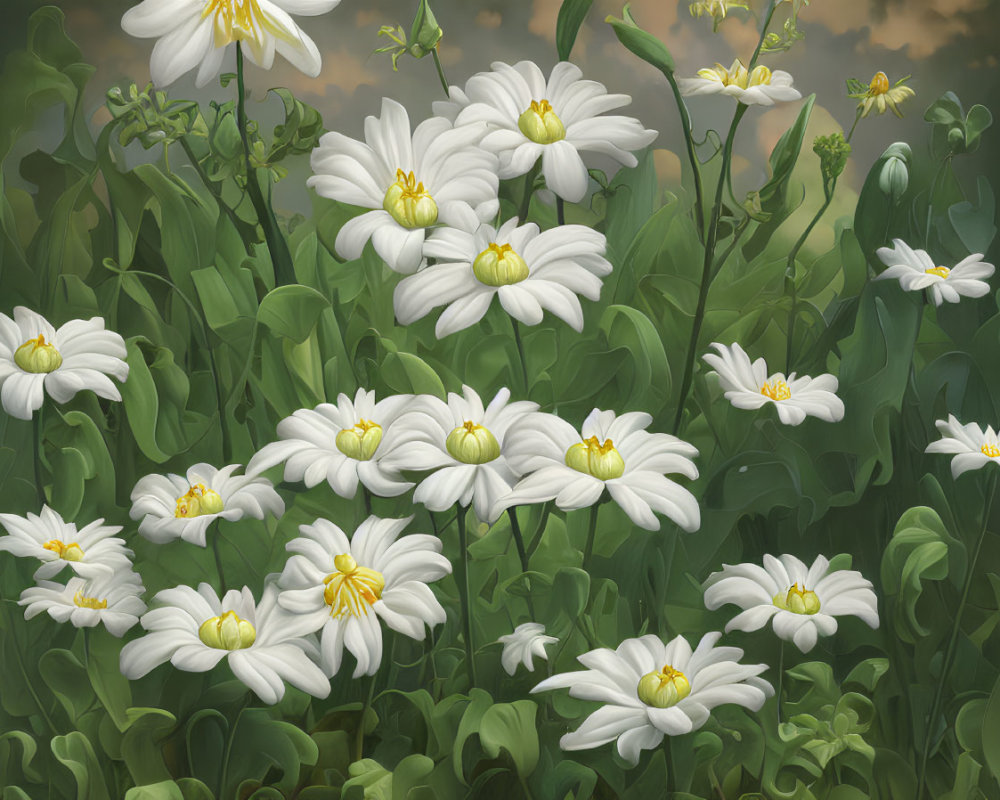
x=915, y=270
x=650, y=689
x=803, y=602
x=557, y=119
x=749, y=386
x=343, y=444
x=195, y=630
x=411, y=182
x=173, y=507
x=109, y=598
x=972, y=447
x=527, y=270
x=611, y=452
x=198, y=33
x=759, y=87
x=36, y=358
x=717, y=9
x=526, y=642
x=342, y=587
x=879, y=95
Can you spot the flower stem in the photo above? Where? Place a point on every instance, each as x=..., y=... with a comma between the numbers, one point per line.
x=850, y=133
x=688, y=131
x=218, y=558
x=588, y=550
x=515, y=529
x=781, y=678
x=368, y=499
x=536, y=540
x=529, y=189
x=359, y=741
x=520, y=353
x=560, y=211
x=462, y=570
x=440, y=72
x=39, y=442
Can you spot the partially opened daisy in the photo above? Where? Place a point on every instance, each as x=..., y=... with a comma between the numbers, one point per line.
x=880, y=95
x=757, y=87
x=650, y=689
x=803, y=602
x=529, y=271
x=915, y=270
x=176, y=507
x=411, y=182
x=343, y=444
x=749, y=386
x=195, y=630
x=198, y=33
x=526, y=643
x=89, y=552
x=344, y=587
x=717, y=9
x=972, y=447
x=36, y=358
x=112, y=599
x=610, y=452
x=556, y=119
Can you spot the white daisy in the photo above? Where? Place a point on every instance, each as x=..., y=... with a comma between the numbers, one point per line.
x=749, y=386
x=91, y=551
x=35, y=356
x=611, y=452
x=556, y=119
x=194, y=631
x=804, y=602
x=915, y=270
x=759, y=87
x=526, y=642
x=111, y=598
x=413, y=183
x=463, y=443
x=198, y=33
x=529, y=271
x=343, y=587
x=650, y=688
x=342, y=444
x=173, y=507
x=972, y=446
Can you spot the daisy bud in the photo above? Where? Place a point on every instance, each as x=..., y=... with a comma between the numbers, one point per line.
x=894, y=178
x=472, y=444
x=798, y=600
x=228, y=632
x=409, y=203
x=361, y=441
x=499, y=265
x=541, y=124
x=37, y=356
x=591, y=457
x=663, y=689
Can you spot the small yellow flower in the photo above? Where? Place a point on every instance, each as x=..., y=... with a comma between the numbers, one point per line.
x=717, y=9
x=880, y=95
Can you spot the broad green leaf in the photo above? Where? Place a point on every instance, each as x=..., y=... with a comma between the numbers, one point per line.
x=642, y=43
x=405, y=372
x=164, y=790
x=76, y=753
x=511, y=727
x=292, y=311
x=571, y=16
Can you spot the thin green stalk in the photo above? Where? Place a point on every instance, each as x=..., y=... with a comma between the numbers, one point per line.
x=359, y=740
x=688, y=131
x=850, y=133
x=720, y=262
x=771, y=6
x=529, y=189
x=366, y=493
x=790, y=272
x=440, y=72
x=588, y=550
x=930, y=198
x=212, y=187
x=520, y=353
x=540, y=530
x=515, y=529
x=671, y=777
x=560, y=211
x=214, y=533
x=781, y=678
x=462, y=576
x=39, y=443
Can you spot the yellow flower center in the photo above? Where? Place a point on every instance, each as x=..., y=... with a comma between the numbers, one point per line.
x=499, y=265
x=198, y=501
x=541, y=124
x=776, y=391
x=240, y=21
x=227, y=632
x=67, y=551
x=361, y=441
x=82, y=601
x=37, y=355
x=591, y=457
x=737, y=75
x=941, y=272
x=798, y=600
x=879, y=84
x=471, y=443
x=990, y=450
x=351, y=589
x=409, y=203
x=665, y=688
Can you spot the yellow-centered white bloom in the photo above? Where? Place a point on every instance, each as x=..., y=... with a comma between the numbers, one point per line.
x=880, y=95
x=110, y=598
x=916, y=270
x=972, y=446
x=650, y=688
x=750, y=387
x=759, y=86
x=198, y=33
x=35, y=358
x=523, y=645
x=343, y=587
x=717, y=9
x=803, y=602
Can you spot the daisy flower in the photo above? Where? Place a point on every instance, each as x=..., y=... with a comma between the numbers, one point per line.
x=915, y=270
x=879, y=95
x=91, y=551
x=343, y=587
x=526, y=642
x=803, y=602
x=759, y=87
x=341, y=444
x=717, y=9
x=174, y=507
x=463, y=443
x=411, y=183
x=556, y=119
x=972, y=447
x=34, y=357
x=195, y=630
x=749, y=386
x=611, y=452
x=109, y=598
x=529, y=271
x=650, y=689
x=198, y=33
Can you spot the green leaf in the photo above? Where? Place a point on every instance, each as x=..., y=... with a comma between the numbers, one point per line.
x=75, y=752
x=164, y=790
x=406, y=373
x=292, y=311
x=67, y=678
x=648, y=385
x=991, y=731
x=511, y=727
x=571, y=16
x=28, y=750
x=642, y=43
x=142, y=748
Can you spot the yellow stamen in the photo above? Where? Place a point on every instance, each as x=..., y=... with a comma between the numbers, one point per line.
x=228, y=632
x=471, y=443
x=88, y=602
x=352, y=589
x=941, y=272
x=241, y=21
x=361, y=441
x=541, y=124
x=198, y=501
x=665, y=688
x=798, y=600
x=499, y=265
x=879, y=84
x=409, y=203
x=38, y=356
x=67, y=551
x=590, y=457
x=990, y=450
x=776, y=391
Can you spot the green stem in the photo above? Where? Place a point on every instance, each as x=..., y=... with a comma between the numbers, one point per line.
x=359, y=741
x=368, y=500
x=462, y=576
x=781, y=678
x=560, y=211
x=688, y=131
x=720, y=262
x=529, y=189
x=771, y=6
x=671, y=777
x=440, y=72
x=850, y=133
x=520, y=353
x=213, y=188
x=588, y=550
x=218, y=558
x=39, y=442
x=515, y=529
x=540, y=530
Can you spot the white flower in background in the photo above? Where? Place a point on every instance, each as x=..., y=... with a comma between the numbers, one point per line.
x=650, y=689
x=556, y=119
x=759, y=87
x=343, y=587
x=412, y=183
x=527, y=270
x=526, y=642
x=91, y=551
x=194, y=631
x=341, y=444
x=915, y=270
x=175, y=507
x=611, y=452
x=972, y=447
x=804, y=602
x=111, y=598
x=749, y=386
x=36, y=358
x=463, y=443
x=198, y=33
